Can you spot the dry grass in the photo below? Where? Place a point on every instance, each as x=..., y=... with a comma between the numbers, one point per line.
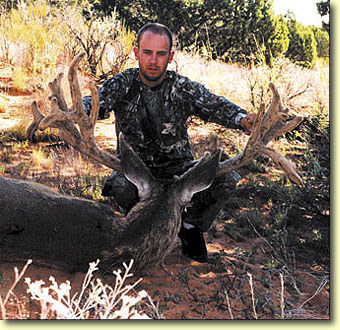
x=303, y=90
x=3, y=104
x=41, y=160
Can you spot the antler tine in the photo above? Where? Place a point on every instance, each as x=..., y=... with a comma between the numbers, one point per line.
x=287, y=166
x=266, y=127
x=37, y=118
x=65, y=120
x=77, y=100
x=250, y=149
x=275, y=115
x=86, y=124
x=256, y=129
x=283, y=129
x=55, y=87
x=94, y=106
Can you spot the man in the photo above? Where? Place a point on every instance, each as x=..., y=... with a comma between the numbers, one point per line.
x=152, y=106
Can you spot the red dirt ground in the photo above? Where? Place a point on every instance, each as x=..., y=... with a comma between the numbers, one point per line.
x=184, y=289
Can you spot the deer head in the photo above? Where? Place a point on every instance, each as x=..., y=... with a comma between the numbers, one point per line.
x=149, y=231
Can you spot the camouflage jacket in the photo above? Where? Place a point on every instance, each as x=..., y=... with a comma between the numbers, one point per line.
x=154, y=120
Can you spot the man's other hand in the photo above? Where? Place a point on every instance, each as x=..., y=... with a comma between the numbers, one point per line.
x=247, y=122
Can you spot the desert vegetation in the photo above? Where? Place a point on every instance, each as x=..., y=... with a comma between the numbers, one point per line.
x=269, y=248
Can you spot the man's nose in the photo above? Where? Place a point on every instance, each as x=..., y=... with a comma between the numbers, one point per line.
x=153, y=58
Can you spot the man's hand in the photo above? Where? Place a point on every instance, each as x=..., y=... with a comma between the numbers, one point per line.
x=247, y=122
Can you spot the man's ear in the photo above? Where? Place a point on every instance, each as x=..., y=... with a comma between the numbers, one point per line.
x=135, y=50
x=171, y=56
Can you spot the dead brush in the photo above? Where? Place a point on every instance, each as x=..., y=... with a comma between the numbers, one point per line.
x=106, y=41
x=301, y=88
x=74, y=174
x=267, y=294
x=96, y=300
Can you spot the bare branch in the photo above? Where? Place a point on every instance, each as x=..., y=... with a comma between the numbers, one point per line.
x=299, y=93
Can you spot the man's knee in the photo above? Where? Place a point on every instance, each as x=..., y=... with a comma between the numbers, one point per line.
x=227, y=183
x=206, y=205
x=121, y=190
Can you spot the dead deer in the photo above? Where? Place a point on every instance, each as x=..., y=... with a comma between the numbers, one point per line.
x=37, y=222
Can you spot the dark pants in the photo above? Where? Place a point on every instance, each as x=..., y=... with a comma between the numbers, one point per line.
x=202, y=210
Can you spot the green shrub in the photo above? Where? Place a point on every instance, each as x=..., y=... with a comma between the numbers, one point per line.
x=48, y=34
x=35, y=25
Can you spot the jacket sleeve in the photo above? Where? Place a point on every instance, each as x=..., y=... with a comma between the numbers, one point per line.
x=213, y=108
x=109, y=94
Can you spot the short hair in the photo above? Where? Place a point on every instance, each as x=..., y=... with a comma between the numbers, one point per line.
x=156, y=28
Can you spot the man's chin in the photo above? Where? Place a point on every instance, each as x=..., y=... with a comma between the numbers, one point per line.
x=152, y=78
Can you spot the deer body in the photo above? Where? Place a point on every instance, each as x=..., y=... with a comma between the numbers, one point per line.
x=39, y=223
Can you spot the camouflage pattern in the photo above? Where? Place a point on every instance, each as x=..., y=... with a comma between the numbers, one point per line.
x=154, y=120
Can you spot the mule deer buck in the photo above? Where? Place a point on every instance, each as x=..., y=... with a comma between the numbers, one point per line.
x=37, y=222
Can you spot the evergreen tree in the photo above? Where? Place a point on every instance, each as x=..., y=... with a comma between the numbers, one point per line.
x=322, y=42
x=233, y=30
x=173, y=13
x=310, y=52
x=260, y=27
x=257, y=32
x=324, y=10
x=279, y=42
x=302, y=43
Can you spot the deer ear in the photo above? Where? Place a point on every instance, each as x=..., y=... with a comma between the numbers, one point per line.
x=197, y=178
x=134, y=169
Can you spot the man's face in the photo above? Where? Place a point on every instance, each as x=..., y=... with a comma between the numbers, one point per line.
x=153, y=57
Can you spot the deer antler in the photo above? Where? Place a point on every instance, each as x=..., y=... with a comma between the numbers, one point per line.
x=267, y=126
x=64, y=119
